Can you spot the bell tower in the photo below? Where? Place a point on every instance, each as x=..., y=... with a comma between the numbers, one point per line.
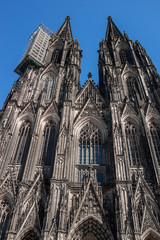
x=81, y=163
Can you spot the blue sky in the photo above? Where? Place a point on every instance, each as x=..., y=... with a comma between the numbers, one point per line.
x=18, y=19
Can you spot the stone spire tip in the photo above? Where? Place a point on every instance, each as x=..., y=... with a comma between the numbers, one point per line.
x=89, y=75
x=68, y=18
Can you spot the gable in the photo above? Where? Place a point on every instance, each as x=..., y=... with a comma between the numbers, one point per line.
x=89, y=109
x=89, y=91
x=128, y=110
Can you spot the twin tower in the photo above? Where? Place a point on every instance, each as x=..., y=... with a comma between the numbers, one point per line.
x=81, y=163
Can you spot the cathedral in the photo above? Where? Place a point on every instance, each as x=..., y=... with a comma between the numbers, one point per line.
x=81, y=163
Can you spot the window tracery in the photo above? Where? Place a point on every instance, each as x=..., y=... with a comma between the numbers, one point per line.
x=23, y=143
x=48, y=144
x=132, y=144
x=90, y=145
x=48, y=86
x=155, y=135
x=126, y=56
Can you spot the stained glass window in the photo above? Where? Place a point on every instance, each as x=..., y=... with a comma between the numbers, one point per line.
x=90, y=145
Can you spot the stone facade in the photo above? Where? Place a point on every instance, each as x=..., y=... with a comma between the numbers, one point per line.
x=82, y=163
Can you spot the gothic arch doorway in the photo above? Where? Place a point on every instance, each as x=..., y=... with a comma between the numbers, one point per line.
x=90, y=229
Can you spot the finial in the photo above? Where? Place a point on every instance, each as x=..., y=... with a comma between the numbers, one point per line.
x=109, y=18
x=126, y=36
x=89, y=75
x=76, y=39
x=67, y=18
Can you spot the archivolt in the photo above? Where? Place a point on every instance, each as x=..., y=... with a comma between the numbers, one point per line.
x=150, y=234
x=90, y=226
x=98, y=123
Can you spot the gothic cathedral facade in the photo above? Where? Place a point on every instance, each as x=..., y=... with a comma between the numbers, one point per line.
x=81, y=163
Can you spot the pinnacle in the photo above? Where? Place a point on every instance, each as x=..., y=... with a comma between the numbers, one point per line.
x=67, y=18
x=89, y=75
x=109, y=18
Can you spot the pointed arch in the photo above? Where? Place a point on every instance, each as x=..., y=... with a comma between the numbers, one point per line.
x=48, y=143
x=88, y=227
x=131, y=129
x=154, y=132
x=21, y=143
x=90, y=145
x=150, y=234
x=100, y=124
x=30, y=233
x=24, y=138
x=132, y=83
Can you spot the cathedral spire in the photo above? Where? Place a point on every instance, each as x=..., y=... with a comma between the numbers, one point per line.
x=112, y=30
x=65, y=31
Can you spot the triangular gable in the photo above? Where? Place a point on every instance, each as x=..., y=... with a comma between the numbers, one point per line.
x=65, y=31
x=128, y=110
x=84, y=211
x=128, y=68
x=29, y=108
x=121, y=42
x=149, y=220
x=145, y=196
x=56, y=40
x=89, y=109
x=90, y=90
x=31, y=220
x=8, y=185
x=51, y=68
x=52, y=109
x=113, y=30
x=152, y=111
x=143, y=186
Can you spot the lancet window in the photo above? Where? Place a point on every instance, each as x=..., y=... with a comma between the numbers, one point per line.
x=126, y=56
x=48, y=145
x=57, y=56
x=48, y=86
x=132, y=88
x=90, y=145
x=132, y=144
x=155, y=134
x=23, y=143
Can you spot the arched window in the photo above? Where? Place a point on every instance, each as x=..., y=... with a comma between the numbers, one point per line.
x=4, y=216
x=130, y=88
x=31, y=235
x=132, y=145
x=23, y=143
x=155, y=134
x=90, y=145
x=126, y=55
x=48, y=145
x=133, y=89
x=48, y=86
x=57, y=56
